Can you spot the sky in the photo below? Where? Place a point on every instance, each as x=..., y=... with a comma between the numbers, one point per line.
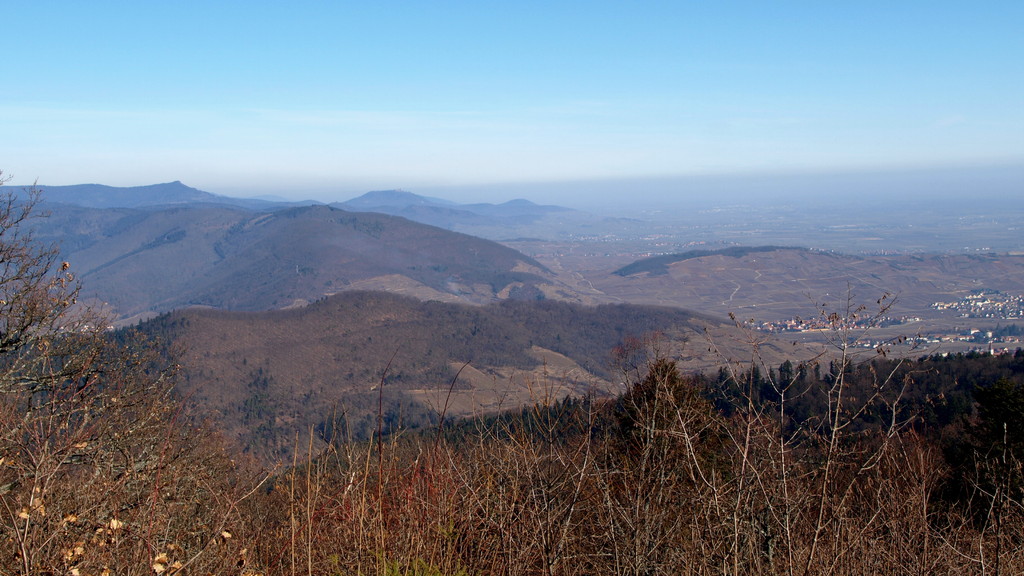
x=327, y=100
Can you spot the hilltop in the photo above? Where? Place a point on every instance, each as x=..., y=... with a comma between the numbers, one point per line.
x=140, y=262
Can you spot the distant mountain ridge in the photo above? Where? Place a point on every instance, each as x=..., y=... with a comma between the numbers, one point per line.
x=153, y=195
x=480, y=219
x=513, y=219
x=394, y=202
x=401, y=199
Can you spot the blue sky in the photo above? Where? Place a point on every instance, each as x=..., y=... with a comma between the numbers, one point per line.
x=331, y=99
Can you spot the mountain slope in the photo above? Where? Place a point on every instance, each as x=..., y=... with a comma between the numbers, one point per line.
x=147, y=261
x=159, y=195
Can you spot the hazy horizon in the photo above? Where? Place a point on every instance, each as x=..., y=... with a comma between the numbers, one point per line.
x=969, y=184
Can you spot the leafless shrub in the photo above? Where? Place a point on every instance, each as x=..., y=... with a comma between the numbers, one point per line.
x=98, y=474
x=659, y=481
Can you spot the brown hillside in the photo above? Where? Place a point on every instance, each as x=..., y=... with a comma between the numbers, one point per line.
x=266, y=376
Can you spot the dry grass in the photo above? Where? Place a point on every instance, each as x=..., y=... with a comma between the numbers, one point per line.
x=656, y=482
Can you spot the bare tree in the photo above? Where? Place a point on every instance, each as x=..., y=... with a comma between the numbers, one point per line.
x=98, y=471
